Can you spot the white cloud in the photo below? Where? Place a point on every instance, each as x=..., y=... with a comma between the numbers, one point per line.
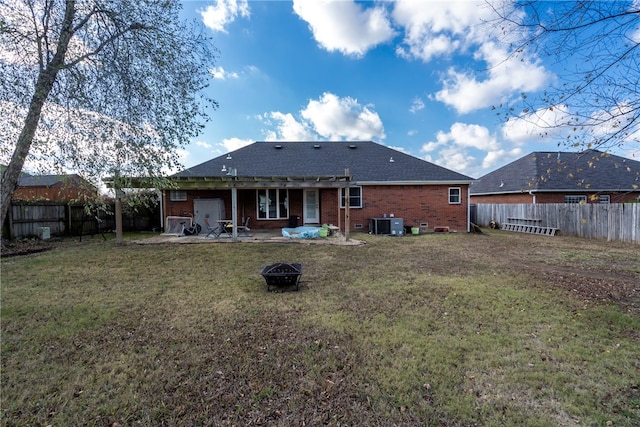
x=453, y=149
x=558, y=125
x=506, y=76
x=464, y=135
x=437, y=46
x=224, y=12
x=345, y=26
x=289, y=129
x=439, y=28
x=232, y=144
x=458, y=160
x=603, y=123
x=455, y=28
x=328, y=118
x=416, y=105
x=221, y=74
x=501, y=156
x=430, y=146
x=542, y=123
x=203, y=144
x=475, y=136
x=338, y=118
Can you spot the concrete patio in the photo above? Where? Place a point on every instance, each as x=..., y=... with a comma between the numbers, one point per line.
x=255, y=236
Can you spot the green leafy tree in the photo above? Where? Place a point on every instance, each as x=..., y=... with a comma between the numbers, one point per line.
x=593, y=46
x=100, y=87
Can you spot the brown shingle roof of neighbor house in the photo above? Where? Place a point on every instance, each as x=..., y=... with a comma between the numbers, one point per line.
x=543, y=171
x=367, y=161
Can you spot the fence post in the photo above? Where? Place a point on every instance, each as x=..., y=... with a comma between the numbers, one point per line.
x=118, y=218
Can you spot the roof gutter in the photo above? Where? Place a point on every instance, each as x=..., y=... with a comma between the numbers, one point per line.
x=460, y=182
x=566, y=190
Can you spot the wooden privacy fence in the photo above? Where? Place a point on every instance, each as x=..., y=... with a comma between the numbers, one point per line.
x=616, y=221
x=28, y=218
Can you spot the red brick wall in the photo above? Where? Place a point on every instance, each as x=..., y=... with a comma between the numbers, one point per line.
x=506, y=198
x=247, y=203
x=56, y=192
x=414, y=203
x=174, y=208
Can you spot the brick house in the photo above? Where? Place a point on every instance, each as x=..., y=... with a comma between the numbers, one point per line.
x=281, y=184
x=54, y=188
x=561, y=177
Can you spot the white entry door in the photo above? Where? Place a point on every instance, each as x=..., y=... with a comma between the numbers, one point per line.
x=311, y=210
x=213, y=209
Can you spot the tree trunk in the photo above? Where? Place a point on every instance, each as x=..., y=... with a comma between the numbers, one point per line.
x=46, y=78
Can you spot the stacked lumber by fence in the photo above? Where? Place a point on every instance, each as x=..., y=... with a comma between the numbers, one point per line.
x=616, y=221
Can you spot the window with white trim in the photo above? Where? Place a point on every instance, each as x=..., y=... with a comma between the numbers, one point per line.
x=178, y=196
x=605, y=199
x=575, y=199
x=273, y=204
x=455, y=197
x=355, y=197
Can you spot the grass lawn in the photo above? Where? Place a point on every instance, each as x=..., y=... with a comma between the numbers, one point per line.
x=452, y=329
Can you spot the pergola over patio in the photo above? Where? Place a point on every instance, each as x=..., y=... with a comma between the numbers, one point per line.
x=232, y=182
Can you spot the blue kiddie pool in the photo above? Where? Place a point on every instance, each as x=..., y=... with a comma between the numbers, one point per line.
x=303, y=232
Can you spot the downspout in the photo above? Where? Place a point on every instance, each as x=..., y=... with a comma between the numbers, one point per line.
x=533, y=197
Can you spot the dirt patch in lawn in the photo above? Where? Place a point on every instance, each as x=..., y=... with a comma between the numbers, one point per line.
x=611, y=274
x=26, y=246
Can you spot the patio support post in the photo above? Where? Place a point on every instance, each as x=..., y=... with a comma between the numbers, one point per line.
x=234, y=212
x=347, y=204
x=339, y=209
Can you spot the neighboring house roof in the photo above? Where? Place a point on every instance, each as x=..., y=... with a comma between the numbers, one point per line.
x=368, y=162
x=27, y=180
x=542, y=171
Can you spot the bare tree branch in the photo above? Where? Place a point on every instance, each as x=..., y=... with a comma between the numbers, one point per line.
x=594, y=48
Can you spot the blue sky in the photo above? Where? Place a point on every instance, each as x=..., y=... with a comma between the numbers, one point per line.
x=417, y=76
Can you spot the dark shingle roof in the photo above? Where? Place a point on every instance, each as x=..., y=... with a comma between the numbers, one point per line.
x=27, y=180
x=367, y=162
x=541, y=171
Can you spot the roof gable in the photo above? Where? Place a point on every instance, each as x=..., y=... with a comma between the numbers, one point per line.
x=367, y=162
x=541, y=171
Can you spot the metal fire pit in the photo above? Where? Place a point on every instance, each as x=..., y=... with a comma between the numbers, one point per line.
x=282, y=275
